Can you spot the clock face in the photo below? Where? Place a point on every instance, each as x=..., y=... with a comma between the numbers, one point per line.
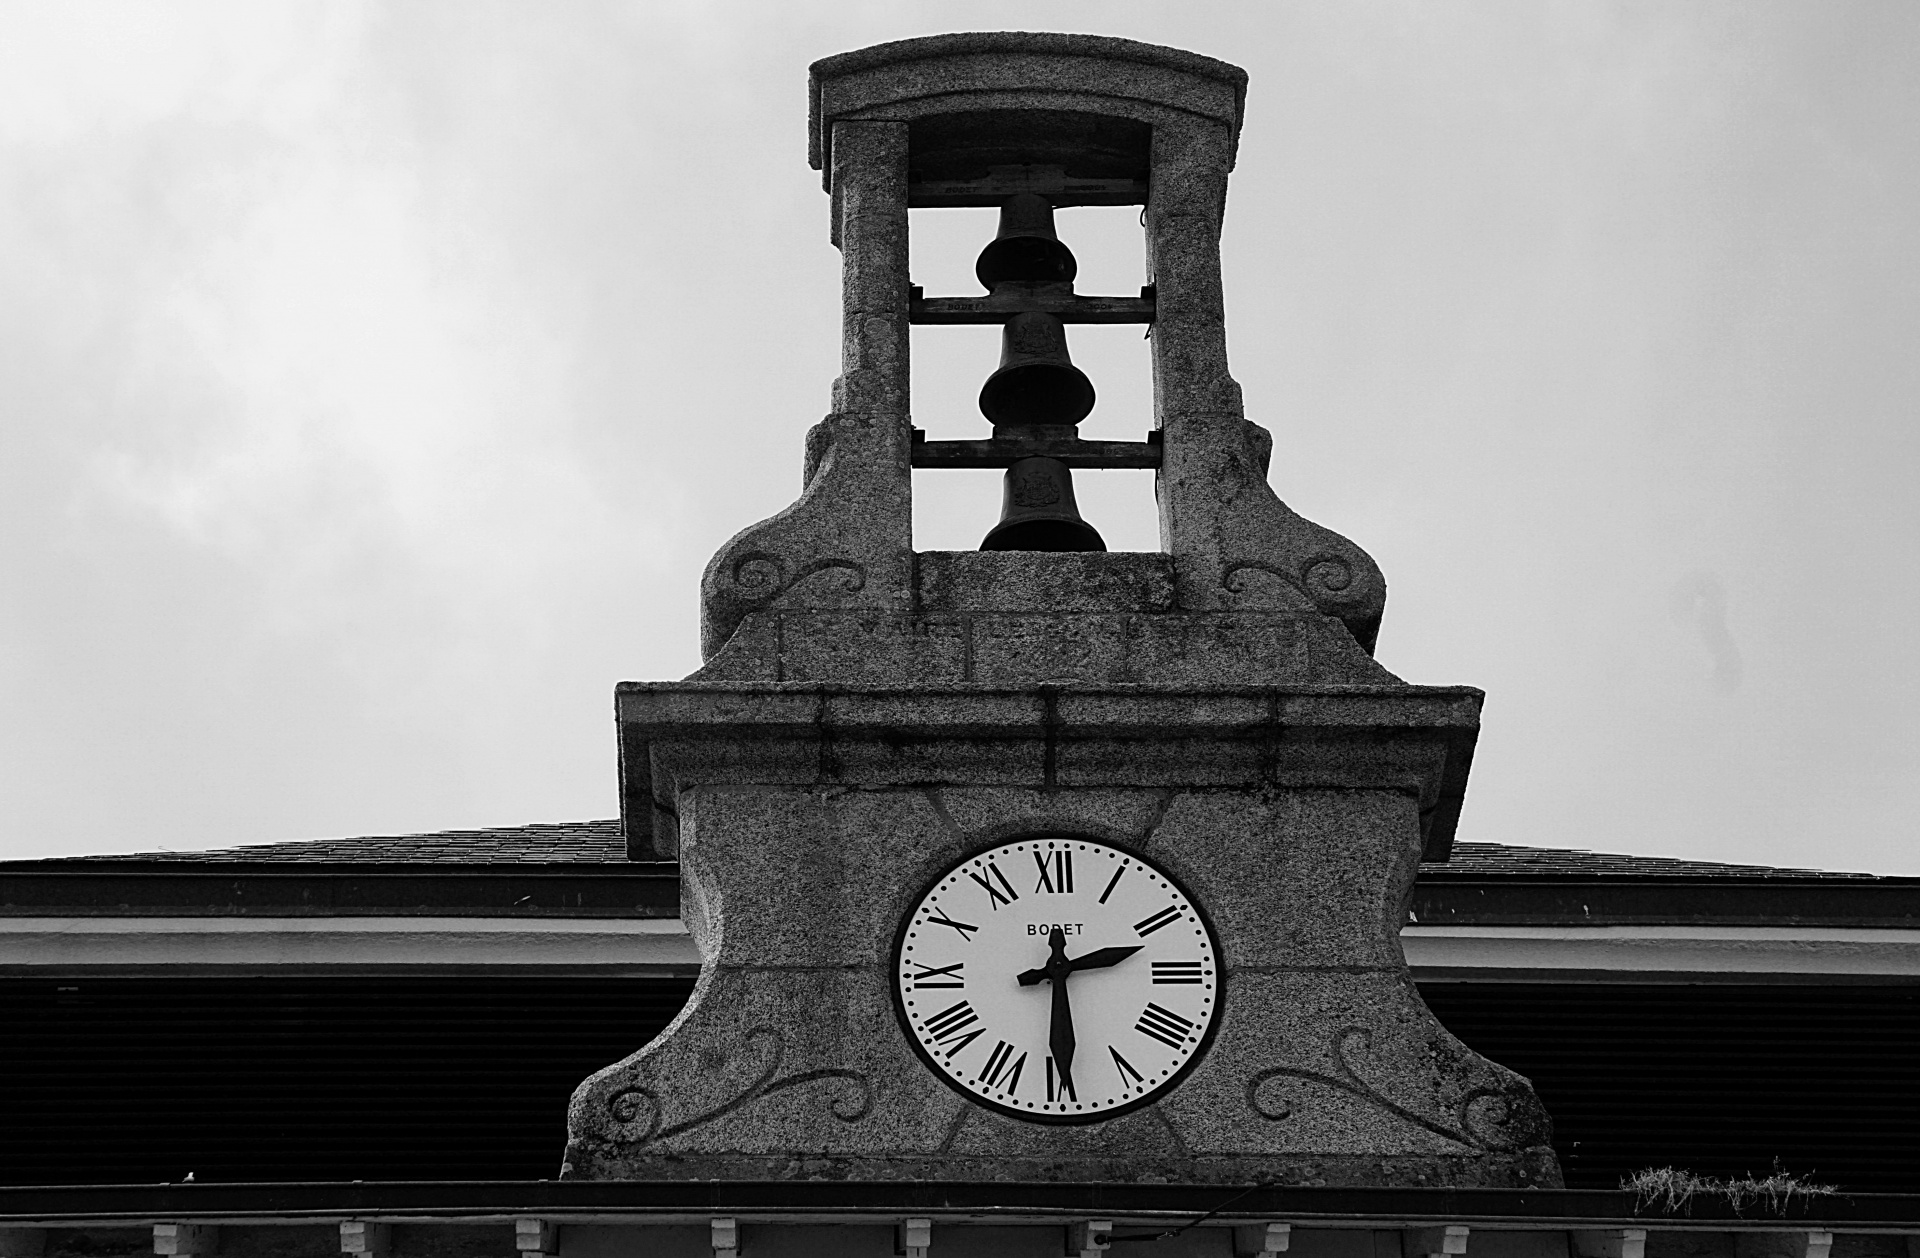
x=1057, y=979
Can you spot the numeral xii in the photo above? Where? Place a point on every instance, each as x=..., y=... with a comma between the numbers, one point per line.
x=1056, y=872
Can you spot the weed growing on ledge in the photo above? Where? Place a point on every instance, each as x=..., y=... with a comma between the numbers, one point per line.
x=1670, y=1190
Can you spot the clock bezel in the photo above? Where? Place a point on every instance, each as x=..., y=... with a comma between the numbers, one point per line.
x=1154, y=1096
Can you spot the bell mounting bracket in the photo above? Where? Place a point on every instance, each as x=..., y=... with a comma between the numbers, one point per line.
x=1013, y=297
x=1005, y=451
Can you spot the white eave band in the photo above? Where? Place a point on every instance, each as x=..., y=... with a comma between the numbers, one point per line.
x=1435, y=953
x=1722, y=952
x=241, y=943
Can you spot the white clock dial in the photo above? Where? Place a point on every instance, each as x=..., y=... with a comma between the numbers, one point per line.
x=1057, y=979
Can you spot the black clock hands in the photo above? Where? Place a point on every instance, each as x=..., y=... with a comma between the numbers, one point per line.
x=1059, y=967
x=1098, y=959
x=1060, y=1028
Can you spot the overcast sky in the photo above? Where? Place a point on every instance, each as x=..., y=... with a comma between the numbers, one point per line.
x=376, y=380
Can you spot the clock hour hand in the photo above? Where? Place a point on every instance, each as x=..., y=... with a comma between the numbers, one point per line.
x=1098, y=959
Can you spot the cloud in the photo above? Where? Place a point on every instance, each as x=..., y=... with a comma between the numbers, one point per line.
x=1698, y=601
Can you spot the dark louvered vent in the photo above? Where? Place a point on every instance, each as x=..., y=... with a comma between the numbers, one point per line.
x=339, y=1078
x=133, y=1080
x=1719, y=1080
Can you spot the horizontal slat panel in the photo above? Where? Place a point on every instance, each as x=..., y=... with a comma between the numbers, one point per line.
x=144, y=1080
x=1722, y=1080
x=118, y=1080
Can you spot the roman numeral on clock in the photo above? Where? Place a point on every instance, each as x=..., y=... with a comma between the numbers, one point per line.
x=1164, y=1025
x=1176, y=972
x=1056, y=872
x=999, y=896
x=951, y=1023
x=1147, y=925
x=942, y=975
x=963, y=929
x=1128, y=1075
x=1000, y=1061
x=1059, y=1085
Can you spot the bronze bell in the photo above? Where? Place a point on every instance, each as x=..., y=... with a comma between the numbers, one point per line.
x=1036, y=382
x=1037, y=511
x=1027, y=248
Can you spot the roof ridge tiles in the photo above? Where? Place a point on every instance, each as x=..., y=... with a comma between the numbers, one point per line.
x=601, y=840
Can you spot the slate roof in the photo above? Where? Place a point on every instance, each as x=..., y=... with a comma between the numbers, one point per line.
x=549, y=843
x=1482, y=859
x=590, y=842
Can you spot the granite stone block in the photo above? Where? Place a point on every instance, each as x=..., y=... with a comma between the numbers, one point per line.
x=683, y=763
x=1167, y=762
x=1296, y=878
x=851, y=649
x=1348, y=1063
x=828, y=896
x=1024, y=650
x=981, y=817
x=1076, y=582
x=911, y=761
x=1199, y=650
x=763, y=1063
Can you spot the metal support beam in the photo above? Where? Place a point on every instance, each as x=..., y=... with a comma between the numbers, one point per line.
x=1013, y=297
x=1261, y=1240
x=1090, y=1239
x=1432, y=1242
x=913, y=1238
x=23, y=1242
x=536, y=1238
x=363, y=1239
x=1623, y=1242
x=1006, y=451
x=185, y=1240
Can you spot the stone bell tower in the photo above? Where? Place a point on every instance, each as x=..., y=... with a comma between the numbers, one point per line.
x=869, y=718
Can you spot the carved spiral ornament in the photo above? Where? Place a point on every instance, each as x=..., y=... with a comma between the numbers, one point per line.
x=637, y=1111
x=1327, y=576
x=762, y=576
x=1485, y=1120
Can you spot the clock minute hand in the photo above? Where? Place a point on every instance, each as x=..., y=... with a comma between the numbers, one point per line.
x=1060, y=1038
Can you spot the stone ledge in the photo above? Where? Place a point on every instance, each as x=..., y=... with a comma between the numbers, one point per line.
x=683, y=709
x=1856, y=1215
